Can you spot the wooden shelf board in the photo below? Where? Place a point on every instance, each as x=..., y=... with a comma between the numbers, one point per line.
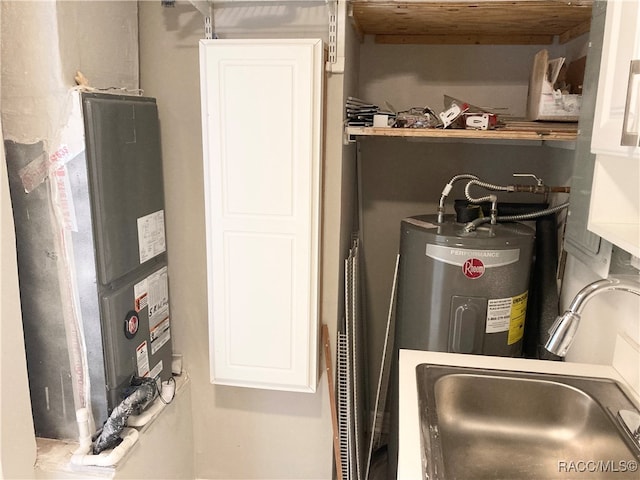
x=526, y=131
x=514, y=22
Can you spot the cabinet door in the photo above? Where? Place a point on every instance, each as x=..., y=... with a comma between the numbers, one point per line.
x=614, y=211
x=578, y=241
x=262, y=122
x=618, y=106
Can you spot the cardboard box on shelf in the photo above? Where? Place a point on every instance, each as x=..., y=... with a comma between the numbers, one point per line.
x=555, y=89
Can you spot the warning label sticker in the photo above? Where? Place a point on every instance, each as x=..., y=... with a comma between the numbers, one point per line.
x=498, y=315
x=507, y=315
x=153, y=293
x=151, y=237
x=141, y=297
x=160, y=334
x=158, y=296
x=142, y=359
x=518, y=314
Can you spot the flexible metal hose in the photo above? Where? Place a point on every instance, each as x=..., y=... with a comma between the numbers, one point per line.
x=471, y=226
x=447, y=189
x=488, y=186
x=488, y=198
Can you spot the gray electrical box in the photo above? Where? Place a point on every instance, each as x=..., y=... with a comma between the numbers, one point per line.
x=92, y=262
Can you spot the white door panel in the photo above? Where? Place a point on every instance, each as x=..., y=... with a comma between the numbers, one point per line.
x=262, y=119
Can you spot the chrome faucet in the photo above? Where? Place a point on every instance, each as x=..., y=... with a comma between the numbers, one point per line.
x=563, y=331
x=564, y=328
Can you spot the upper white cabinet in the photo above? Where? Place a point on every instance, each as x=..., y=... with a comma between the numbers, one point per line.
x=262, y=138
x=617, y=117
x=614, y=212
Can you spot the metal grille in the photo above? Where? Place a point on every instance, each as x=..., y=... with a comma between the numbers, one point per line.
x=343, y=400
x=351, y=374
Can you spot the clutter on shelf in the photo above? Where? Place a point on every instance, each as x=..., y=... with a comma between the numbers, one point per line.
x=555, y=88
x=360, y=113
x=456, y=114
x=417, y=117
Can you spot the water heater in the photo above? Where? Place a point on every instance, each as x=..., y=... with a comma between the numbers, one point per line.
x=463, y=292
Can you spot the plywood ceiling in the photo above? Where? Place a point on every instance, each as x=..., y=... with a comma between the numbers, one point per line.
x=472, y=22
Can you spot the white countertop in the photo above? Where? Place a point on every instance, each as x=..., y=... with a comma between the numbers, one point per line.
x=409, y=456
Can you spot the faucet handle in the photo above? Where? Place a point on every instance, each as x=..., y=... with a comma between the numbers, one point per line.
x=538, y=180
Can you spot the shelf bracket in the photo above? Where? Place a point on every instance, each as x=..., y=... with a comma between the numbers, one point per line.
x=333, y=30
x=205, y=7
x=348, y=138
x=335, y=60
x=332, y=57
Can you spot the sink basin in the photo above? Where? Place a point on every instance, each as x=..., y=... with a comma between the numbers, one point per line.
x=493, y=424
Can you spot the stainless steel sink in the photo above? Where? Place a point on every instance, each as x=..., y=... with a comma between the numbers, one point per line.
x=492, y=424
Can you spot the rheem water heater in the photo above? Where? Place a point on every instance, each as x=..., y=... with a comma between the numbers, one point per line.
x=463, y=292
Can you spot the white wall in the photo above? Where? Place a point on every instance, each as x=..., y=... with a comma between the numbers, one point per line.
x=45, y=43
x=17, y=442
x=32, y=90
